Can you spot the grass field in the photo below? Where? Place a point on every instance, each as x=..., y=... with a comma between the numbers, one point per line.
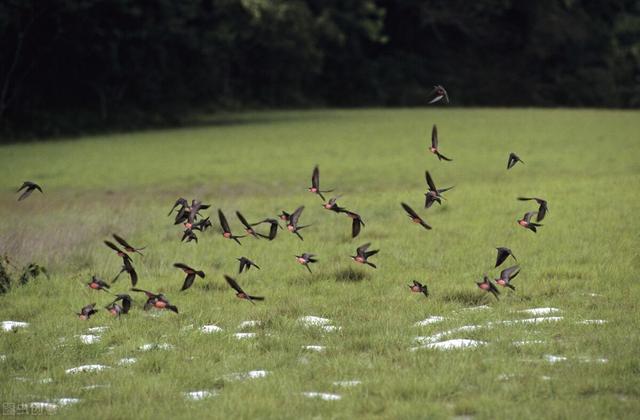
x=583, y=261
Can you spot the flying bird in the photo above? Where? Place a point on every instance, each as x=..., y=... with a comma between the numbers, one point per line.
x=202, y=225
x=98, y=284
x=28, y=187
x=414, y=216
x=542, y=210
x=419, y=288
x=191, y=275
x=315, y=183
x=333, y=205
x=127, y=267
x=226, y=230
x=119, y=252
x=239, y=292
x=513, y=159
x=116, y=309
x=284, y=216
x=503, y=253
x=126, y=245
x=305, y=259
x=273, y=230
x=356, y=223
x=438, y=94
x=434, y=194
x=189, y=235
x=434, y=145
x=507, y=275
x=182, y=202
x=86, y=312
x=292, y=225
x=526, y=222
x=247, y=226
x=156, y=300
x=362, y=255
x=246, y=263
x=488, y=286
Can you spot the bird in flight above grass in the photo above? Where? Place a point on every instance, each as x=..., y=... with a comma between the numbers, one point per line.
x=116, y=309
x=246, y=263
x=98, y=284
x=315, y=183
x=526, y=222
x=292, y=225
x=414, y=216
x=156, y=300
x=273, y=229
x=513, y=159
x=418, y=287
x=438, y=94
x=28, y=187
x=191, y=275
x=247, y=226
x=542, y=210
x=488, y=286
x=126, y=245
x=507, y=275
x=239, y=292
x=356, y=224
x=434, y=194
x=226, y=230
x=305, y=259
x=333, y=205
x=362, y=255
x=503, y=253
x=434, y=145
x=86, y=312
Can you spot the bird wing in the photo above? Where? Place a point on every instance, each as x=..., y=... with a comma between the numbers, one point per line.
x=223, y=222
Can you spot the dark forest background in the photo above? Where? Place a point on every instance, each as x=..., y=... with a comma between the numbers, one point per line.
x=72, y=66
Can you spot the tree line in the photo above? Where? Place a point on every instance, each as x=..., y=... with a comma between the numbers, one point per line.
x=67, y=66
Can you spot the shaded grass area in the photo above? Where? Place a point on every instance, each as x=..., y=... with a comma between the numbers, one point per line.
x=585, y=163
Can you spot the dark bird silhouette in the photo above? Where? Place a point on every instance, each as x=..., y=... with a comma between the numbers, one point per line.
x=284, y=216
x=246, y=263
x=315, y=183
x=119, y=252
x=182, y=202
x=239, y=292
x=189, y=235
x=292, y=225
x=438, y=94
x=191, y=275
x=526, y=222
x=117, y=309
x=356, y=223
x=126, y=245
x=202, y=225
x=434, y=194
x=194, y=212
x=225, y=228
x=273, y=229
x=414, y=216
x=488, y=286
x=98, y=284
x=507, y=275
x=127, y=267
x=86, y=311
x=362, y=254
x=333, y=205
x=247, y=226
x=542, y=210
x=156, y=300
x=28, y=187
x=513, y=159
x=434, y=145
x=503, y=253
x=419, y=288
x=305, y=259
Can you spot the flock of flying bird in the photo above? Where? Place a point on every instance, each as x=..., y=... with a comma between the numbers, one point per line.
x=189, y=216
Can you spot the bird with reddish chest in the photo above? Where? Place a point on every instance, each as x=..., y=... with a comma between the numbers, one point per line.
x=86, y=311
x=247, y=226
x=434, y=145
x=156, y=300
x=434, y=194
x=98, y=284
x=315, y=183
x=526, y=222
x=488, y=286
x=362, y=255
x=438, y=94
x=191, y=275
x=292, y=225
x=507, y=275
x=542, y=209
x=306, y=259
x=414, y=216
x=241, y=294
x=126, y=246
x=226, y=230
x=418, y=287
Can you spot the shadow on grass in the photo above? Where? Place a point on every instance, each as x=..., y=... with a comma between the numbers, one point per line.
x=350, y=275
x=468, y=297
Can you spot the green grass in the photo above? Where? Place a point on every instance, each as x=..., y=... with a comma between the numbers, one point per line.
x=584, y=162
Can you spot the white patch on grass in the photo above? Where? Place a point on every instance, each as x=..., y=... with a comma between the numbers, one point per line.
x=154, y=346
x=477, y=308
x=67, y=401
x=86, y=368
x=314, y=347
x=12, y=325
x=593, y=322
x=249, y=324
x=554, y=359
x=526, y=342
x=209, y=329
x=428, y=321
x=252, y=374
x=458, y=343
x=323, y=396
x=97, y=330
x=540, y=311
x=127, y=361
x=435, y=337
x=592, y=360
x=243, y=336
x=89, y=338
x=347, y=383
x=536, y=320
x=330, y=328
x=313, y=321
x=3, y=357
x=41, y=405
x=199, y=395
x=96, y=386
